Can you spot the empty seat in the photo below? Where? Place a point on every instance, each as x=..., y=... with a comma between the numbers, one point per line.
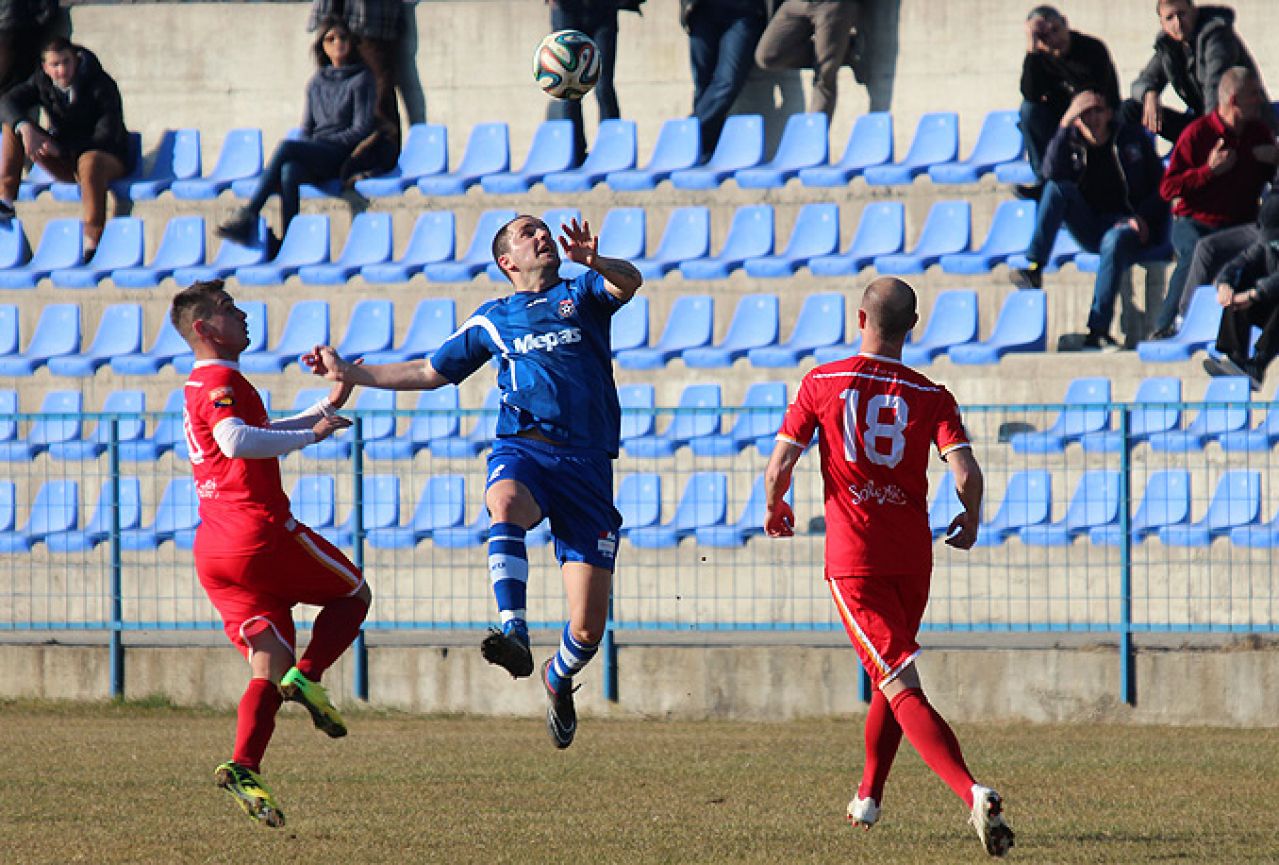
x=952, y=322
x=313, y=501
x=1016, y=172
x=1010, y=233
x=378, y=425
x=306, y=327
x=230, y=257
x=1087, y=412
x=1094, y=505
x=9, y=321
x=613, y=150
x=114, y=511
x=119, y=334
x=239, y=158
x=869, y=143
x=754, y=325
x=936, y=141
x=1235, y=503
x=1260, y=438
x=369, y=243
x=59, y=247
x=177, y=157
x=749, y=524
x=805, y=143
x=432, y=241
x=948, y=229
x=999, y=141
x=550, y=151
x=478, y=254
x=1148, y=414
x=56, y=508
x=166, y=436
x=740, y=145
x=371, y=328
x=841, y=350
x=1228, y=402
x=176, y=518
x=638, y=418
x=441, y=505
x=59, y=420
x=472, y=534
x=478, y=439
x=306, y=241
x=687, y=236
x=816, y=232
x=57, y=334
x=425, y=152
x=1022, y=326
x=434, y=320
x=629, y=326
x=679, y=145
x=379, y=509
x=128, y=405
x=1027, y=501
x=945, y=507
x=697, y=415
x=120, y=247
x=639, y=500
x=690, y=325
x=749, y=236
x=820, y=322
x=624, y=233
x=1197, y=332
x=703, y=504
x=488, y=151
x=1164, y=502
x=757, y=423
x=181, y=246
x=168, y=345
x=15, y=249
x=881, y=231
x=436, y=420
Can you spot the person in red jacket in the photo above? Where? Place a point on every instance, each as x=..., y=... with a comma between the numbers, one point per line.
x=1215, y=176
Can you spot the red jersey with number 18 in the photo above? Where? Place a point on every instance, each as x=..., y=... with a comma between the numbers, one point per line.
x=878, y=419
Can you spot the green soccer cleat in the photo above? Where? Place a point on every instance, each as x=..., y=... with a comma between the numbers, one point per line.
x=298, y=688
x=246, y=787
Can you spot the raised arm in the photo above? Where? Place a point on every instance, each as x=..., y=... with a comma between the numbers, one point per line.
x=621, y=278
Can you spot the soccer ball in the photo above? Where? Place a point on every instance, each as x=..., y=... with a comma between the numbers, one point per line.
x=566, y=64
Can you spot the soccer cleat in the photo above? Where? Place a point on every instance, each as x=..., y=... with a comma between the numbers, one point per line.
x=863, y=812
x=246, y=787
x=299, y=689
x=988, y=819
x=561, y=716
x=508, y=648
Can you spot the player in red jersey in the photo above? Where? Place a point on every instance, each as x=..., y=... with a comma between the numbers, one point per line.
x=255, y=561
x=878, y=420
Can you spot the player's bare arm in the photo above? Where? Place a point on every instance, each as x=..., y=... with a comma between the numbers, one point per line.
x=779, y=520
x=969, y=485
x=323, y=360
x=622, y=279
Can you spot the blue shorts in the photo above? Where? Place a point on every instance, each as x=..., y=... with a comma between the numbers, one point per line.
x=573, y=489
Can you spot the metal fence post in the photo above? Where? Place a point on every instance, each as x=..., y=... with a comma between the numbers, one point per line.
x=117, y=604
x=609, y=647
x=360, y=651
x=1127, y=678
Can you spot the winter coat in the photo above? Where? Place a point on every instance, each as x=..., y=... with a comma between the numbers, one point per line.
x=1195, y=70
x=340, y=102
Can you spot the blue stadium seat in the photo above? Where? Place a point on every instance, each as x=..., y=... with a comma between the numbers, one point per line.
x=1165, y=502
x=231, y=256
x=181, y=246
x=307, y=326
x=820, y=322
x=704, y=504
x=1260, y=438
x=1145, y=418
x=120, y=247
x=439, y=423
x=1232, y=396
x=756, y=424
x=36, y=182
x=555, y=218
x=639, y=499
x=749, y=236
x=687, y=236
x=679, y=144
x=1236, y=503
x=166, y=436
x=945, y=507
x=240, y=158
x=56, y=508
x=1010, y=232
x=8, y=506
x=15, y=250
x=629, y=327
x=870, y=143
x=378, y=428
x=613, y=150
x=998, y=142
x=948, y=229
x=369, y=243
x=129, y=404
x=623, y=234
x=805, y=143
x=441, y=505
x=434, y=320
x=936, y=141
x=119, y=335
x=1198, y=330
x=371, y=328
x=10, y=341
x=881, y=231
x=59, y=247
x=380, y=509
x=306, y=241
x=1264, y=535
x=840, y=350
x=478, y=254
x=1087, y=414
x=432, y=242
x=697, y=415
x=1064, y=251
x=176, y=517
x=1015, y=172
x=126, y=514
x=425, y=152
x=167, y=346
x=488, y=151
x=741, y=145
x=1027, y=502
x=690, y=325
x=1094, y=505
x=816, y=232
x=638, y=419
x=62, y=423
x=313, y=501
x=177, y=157
x=472, y=534
x=70, y=190
x=478, y=439
x=550, y=151
x=749, y=524
x=953, y=321
x=1022, y=326
x=57, y=333
x=754, y=325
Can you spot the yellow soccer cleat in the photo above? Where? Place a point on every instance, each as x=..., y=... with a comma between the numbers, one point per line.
x=298, y=688
x=246, y=787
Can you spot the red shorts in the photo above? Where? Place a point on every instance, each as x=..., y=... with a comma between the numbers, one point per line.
x=259, y=591
x=882, y=616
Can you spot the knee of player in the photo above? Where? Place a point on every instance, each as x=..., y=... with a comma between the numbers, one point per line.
x=512, y=505
x=587, y=635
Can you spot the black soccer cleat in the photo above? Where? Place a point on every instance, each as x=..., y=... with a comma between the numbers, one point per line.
x=509, y=651
x=561, y=716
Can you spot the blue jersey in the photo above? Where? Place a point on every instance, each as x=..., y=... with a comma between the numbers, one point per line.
x=556, y=365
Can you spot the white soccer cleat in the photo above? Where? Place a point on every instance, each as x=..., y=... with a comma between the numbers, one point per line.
x=863, y=812
x=988, y=819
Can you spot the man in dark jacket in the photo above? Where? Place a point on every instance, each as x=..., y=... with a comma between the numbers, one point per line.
x=1195, y=47
x=1248, y=291
x=722, y=35
x=1102, y=182
x=86, y=140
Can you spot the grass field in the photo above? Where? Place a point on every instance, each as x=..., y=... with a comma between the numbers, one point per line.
x=132, y=784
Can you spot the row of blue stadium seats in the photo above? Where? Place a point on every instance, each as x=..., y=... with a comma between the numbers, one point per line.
x=803, y=151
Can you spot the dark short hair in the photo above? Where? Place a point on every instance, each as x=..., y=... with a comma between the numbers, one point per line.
x=322, y=29
x=56, y=44
x=197, y=301
x=1049, y=12
x=502, y=240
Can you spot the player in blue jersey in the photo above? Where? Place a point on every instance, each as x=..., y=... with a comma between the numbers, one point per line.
x=557, y=432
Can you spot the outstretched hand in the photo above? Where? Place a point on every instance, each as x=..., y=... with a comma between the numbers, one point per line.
x=327, y=426
x=579, y=244
x=324, y=361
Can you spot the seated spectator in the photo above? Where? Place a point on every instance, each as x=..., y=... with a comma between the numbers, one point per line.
x=25, y=25
x=811, y=34
x=722, y=35
x=1194, y=47
x=1059, y=64
x=1248, y=291
x=1212, y=254
x=1102, y=182
x=86, y=140
x=1215, y=176
x=340, y=113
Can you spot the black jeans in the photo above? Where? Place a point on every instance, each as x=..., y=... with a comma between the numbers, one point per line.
x=601, y=26
x=721, y=50
x=292, y=164
x=1235, y=333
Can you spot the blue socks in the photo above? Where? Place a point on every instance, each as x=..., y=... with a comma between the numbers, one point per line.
x=508, y=571
x=569, y=660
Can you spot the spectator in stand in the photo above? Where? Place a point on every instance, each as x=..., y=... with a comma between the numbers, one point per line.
x=811, y=34
x=1102, y=182
x=1213, y=253
x=1248, y=291
x=25, y=25
x=1060, y=63
x=722, y=35
x=1215, y=176
x=340, y=114
x=1194, y=48
x=86, y=140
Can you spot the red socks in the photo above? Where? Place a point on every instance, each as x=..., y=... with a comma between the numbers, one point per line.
x=934, y=740
x=255, y=722
x=883, y=735
x=335, y=629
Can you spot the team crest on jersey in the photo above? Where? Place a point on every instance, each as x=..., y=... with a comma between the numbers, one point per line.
x=223, y=397
x=567, y=308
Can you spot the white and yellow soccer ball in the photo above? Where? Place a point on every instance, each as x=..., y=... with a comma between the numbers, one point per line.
x=566, y=64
